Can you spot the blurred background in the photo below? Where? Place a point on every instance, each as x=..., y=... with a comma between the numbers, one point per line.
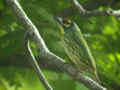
x=102, y=35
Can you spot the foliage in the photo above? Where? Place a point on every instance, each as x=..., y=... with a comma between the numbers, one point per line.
x=102, y=35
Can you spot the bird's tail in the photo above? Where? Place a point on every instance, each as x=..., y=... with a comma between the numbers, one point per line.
x=97, y=77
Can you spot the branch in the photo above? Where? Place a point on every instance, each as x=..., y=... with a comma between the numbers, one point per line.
x=78, y=9
x=35, y=64
x=43, y=51
x=19, y=61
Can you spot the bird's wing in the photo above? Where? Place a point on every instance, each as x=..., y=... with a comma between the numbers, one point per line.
x=79, y=39
x=72, y=49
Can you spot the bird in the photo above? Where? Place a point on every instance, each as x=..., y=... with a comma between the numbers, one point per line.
x=76, y=47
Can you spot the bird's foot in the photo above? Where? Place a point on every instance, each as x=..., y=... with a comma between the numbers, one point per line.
x=78, y=71
x=75, y=74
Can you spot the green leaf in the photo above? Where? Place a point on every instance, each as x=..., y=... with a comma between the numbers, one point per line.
x=1, y=4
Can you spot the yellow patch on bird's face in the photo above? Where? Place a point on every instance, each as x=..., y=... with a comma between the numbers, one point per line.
x=67, y=25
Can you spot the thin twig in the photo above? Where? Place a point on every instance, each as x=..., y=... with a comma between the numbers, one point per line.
x=35, y=65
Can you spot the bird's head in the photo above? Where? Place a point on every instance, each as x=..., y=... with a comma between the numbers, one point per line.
x=64, y=24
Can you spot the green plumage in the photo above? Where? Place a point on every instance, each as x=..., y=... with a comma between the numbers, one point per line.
x=76, y=47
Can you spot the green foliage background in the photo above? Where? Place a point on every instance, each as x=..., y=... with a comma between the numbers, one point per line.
x=103, y=37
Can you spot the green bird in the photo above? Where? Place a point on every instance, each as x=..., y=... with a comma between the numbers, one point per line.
x=76, y=47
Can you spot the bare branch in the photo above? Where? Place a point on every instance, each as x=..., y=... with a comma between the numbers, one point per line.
x=76, y=6
x=78, y=9
x=58, y=62
x=43, y=51
x=35, y=65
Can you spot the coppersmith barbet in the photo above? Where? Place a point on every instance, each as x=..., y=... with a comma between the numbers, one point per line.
x=76, y=47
